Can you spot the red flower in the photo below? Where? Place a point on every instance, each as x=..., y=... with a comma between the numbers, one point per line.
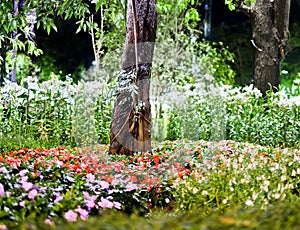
x=156, y=159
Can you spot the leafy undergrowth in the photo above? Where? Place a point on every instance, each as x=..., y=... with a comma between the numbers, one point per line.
x=276, y=217
x=194, y=183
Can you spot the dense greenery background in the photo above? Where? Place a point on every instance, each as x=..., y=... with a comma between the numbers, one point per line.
x=73, y=52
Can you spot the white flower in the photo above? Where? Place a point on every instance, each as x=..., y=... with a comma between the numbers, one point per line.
x=283, y=178
x=254, y=196
x=249, y=203
x=266, y=183
x=204, y=193
x=276, y=196
x=195, y=190
x=265, y=186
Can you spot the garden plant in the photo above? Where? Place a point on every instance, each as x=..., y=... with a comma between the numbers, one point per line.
x=223, y=156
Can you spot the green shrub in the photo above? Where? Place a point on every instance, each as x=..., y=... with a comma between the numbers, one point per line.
x=213, y=112
x=54, y=112
x=58, y=112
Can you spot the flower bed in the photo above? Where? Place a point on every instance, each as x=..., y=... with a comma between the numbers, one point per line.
x=76, y=184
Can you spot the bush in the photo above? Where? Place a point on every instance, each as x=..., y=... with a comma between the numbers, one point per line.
x=213, y=112
x=54, y=113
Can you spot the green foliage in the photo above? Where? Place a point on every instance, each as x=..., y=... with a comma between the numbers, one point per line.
x=241, y=114
x=216, y=58
x=53, y=113
x=279, y=216
x=17, y=22
x=233, y=4
x=103, y=116
x=177, y=19
x=37, y=111
x=269, y=121
x=56, y=113
x=180, y=53
x=174, y=126
x=24, y=66
x=112, y=15
x=290, y=70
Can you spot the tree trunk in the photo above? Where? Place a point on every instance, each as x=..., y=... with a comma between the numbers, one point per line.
x=270, y=22
x=131, y=125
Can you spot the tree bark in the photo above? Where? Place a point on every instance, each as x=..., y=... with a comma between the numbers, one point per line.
x=270, y=20
x=131, y=125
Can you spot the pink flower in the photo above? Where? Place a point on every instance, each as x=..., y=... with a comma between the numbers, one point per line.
x=24, y=179
x=43, y=189
x=86, y=195
x=3, y=170
x=90, y=177
x=90, y=204
x=105, y=203
x=83, y=213
x=49, y=222
x=3, y=227
x=89, y=200
x=117, y=205
x=95, y=1
x=58, y=197
x=22, y=203
x=130, y=187
x=59, y=163
x=23, y=172
x=26, y=185
x=71, y=216
x=32, y=194
x=104, y=185
x=2, y=192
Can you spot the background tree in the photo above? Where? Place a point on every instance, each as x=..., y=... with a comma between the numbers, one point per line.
x=131, y=124
x=270, y=33
x=16, y=18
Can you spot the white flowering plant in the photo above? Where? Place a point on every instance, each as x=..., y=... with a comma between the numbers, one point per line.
x=227, y=174
x=53, y=113
x=215, y=112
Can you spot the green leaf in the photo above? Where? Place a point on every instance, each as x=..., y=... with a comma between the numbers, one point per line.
x=65, y=3
x=99, y=4
x=48, y=29
x=54, y=27
x=231, y=7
